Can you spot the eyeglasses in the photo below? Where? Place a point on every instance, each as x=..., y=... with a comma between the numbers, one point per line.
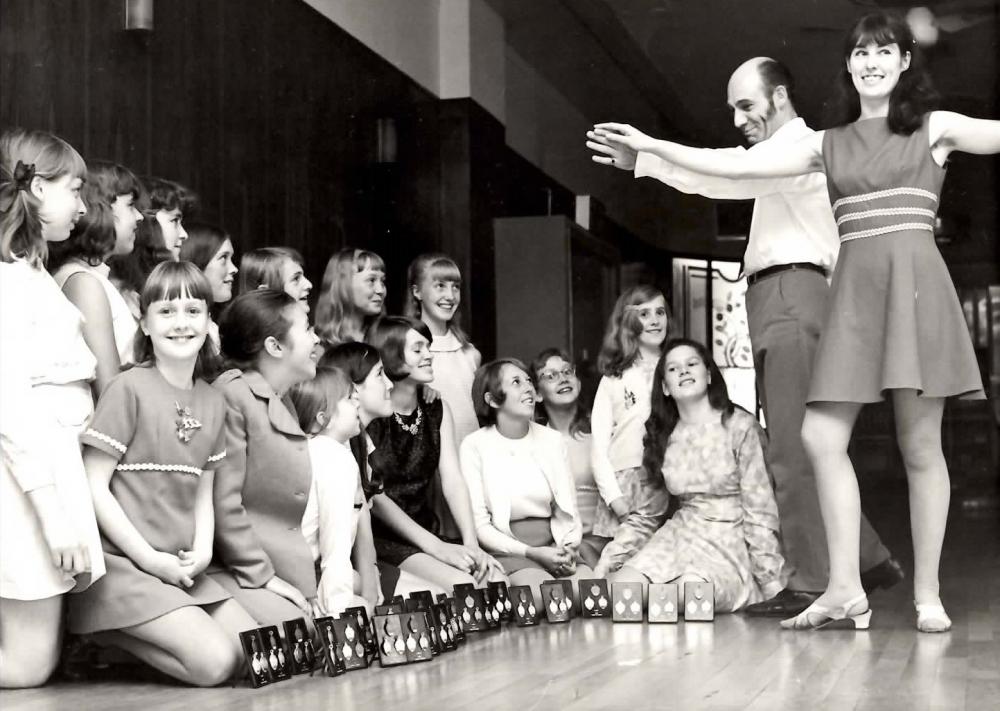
x=554, y=376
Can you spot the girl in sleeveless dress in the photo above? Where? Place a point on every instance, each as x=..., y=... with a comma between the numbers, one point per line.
x=79, y=266
x=49, y=542
x=151, y=452
x=895, y=324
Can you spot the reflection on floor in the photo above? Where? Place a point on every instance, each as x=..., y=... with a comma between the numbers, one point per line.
x=734, y=663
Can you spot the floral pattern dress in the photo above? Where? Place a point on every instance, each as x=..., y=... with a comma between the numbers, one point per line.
x=726, y=527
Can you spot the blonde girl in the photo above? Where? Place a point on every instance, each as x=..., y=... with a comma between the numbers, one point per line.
x=633, y=343
x=351, y=297
x=280, y=268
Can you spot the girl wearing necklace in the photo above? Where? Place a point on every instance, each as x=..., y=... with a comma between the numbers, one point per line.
x=414, y=443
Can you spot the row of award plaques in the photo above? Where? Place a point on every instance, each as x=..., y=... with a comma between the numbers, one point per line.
x=419, y=628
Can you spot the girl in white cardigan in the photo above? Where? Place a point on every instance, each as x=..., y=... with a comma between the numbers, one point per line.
x=522, y=490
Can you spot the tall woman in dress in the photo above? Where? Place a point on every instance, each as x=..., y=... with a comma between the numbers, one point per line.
x=416, y=444
x=708, y=454
x=559, y=407
x=523, y=495
x=262, y=486
x=79, y=266
x=895, y=327
x=49, y=542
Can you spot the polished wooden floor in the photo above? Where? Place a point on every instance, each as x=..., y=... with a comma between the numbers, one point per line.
x=733, y=663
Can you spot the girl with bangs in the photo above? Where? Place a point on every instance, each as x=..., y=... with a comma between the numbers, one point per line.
x=49, y=542
x=151, y=452
x=633, y=343
x=434, y=285
x=351, y=297
x=158, y=238
x=79, y=266
x=896, y=328
x=211, y=250
x=280, y=268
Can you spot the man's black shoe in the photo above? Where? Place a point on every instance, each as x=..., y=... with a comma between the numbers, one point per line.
x=787, y=603
x=884, y=575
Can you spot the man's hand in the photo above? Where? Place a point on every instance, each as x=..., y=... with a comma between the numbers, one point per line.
x=608, y=153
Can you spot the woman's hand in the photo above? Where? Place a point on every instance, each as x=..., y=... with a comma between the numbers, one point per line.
x=197, y=562
x=169, y=568
x=556, y=561
x=316, y=607
x=454, y=555
x=66, y=546
x=289, y=592
x=486, y=565
x=429, y=394
x=621, y=134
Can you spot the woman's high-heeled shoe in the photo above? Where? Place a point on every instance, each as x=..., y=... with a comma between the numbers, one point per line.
x=932, y=618
x=853, y=614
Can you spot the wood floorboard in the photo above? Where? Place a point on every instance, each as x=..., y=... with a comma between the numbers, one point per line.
x=731, y=664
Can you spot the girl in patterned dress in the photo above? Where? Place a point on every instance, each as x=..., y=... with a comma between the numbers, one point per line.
x=633, y=343
x=708, y=454
x=895, y=326
x=150, y=452
x=49, y=542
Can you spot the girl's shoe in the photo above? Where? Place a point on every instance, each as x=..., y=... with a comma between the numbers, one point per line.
x=932, y=618
x=853, y=614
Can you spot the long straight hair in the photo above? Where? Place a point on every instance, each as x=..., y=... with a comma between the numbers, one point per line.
x=621, y=337
x=338, y=319
x=436, y=267
x=663, y=414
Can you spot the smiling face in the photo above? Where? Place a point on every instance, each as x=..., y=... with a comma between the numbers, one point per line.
x=418, y=358
x=298, y=347
x=295, y=284
x=373, y=394
x=368, y=291
x=439, y=298
x=685, y=374
x=127, y=219
x=61, y=205
x=220, y=272
x=171, y=224
x=557, y=383
x=653, y=322
x=519, y=393
x=875, y=69
x=176, y=327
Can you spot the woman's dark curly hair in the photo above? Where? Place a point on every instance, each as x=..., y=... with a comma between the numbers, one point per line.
x=663, y=415
x=912, y=97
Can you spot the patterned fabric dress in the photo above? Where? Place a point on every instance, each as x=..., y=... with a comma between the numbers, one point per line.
x=164, y=438
x=895, y=320
x=403, y=465
x=726, y=529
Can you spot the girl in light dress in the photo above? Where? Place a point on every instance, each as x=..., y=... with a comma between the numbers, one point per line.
x=633, y=343
x=327, y=408
x=49, y=541
x=79, y=266
x=151, y=452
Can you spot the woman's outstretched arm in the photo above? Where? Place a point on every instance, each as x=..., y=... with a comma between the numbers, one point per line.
x=803, y=157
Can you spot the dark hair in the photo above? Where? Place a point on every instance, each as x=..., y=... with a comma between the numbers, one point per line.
x=321, y=394
x=130, y=271
x=261, y=268
x=388, y=335
x=581, y=417
x=353, y=357
x=248, y=321
x=774, y=74
x=202, y=243
x=20, y=226
x=174, y=280
x=663, y=415
x=93, y=237
x=487, y=381
x=914, y=94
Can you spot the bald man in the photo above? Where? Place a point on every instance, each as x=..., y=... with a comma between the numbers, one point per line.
x=792, y=250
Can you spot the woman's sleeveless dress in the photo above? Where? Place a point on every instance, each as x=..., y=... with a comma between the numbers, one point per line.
x=895, y=320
